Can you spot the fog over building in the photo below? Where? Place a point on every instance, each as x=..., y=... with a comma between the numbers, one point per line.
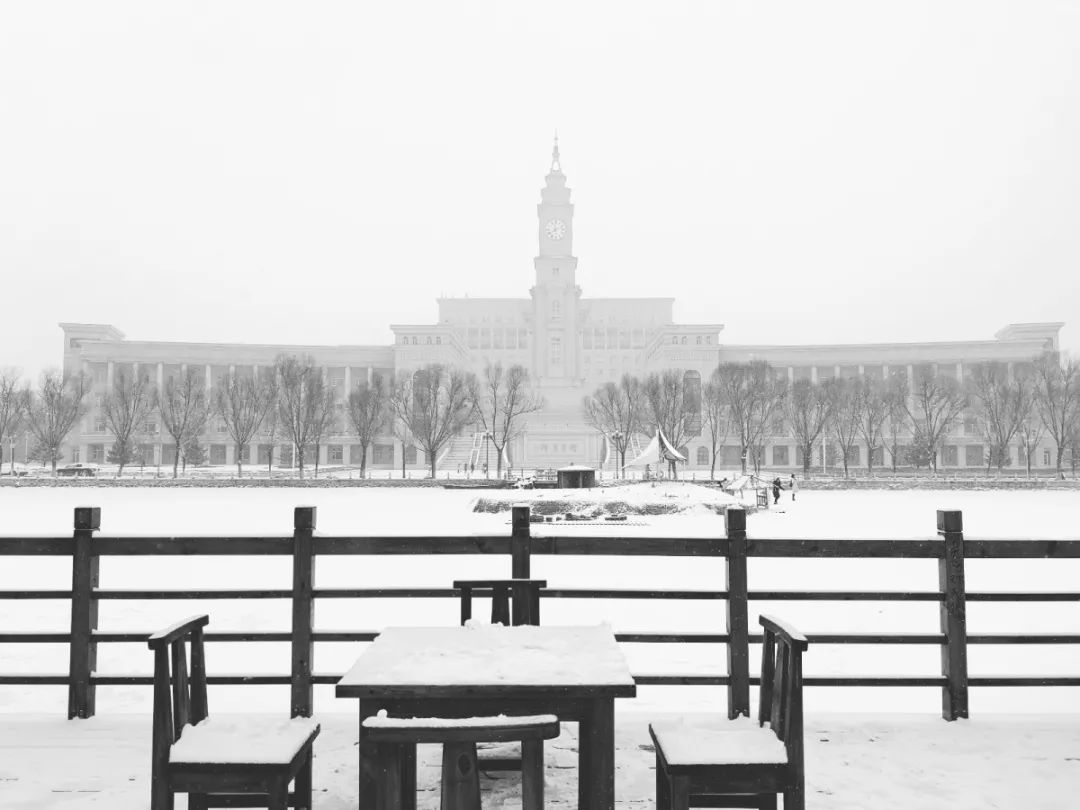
x=569, y=343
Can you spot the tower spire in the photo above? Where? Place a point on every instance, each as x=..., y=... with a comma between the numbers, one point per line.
x=556, y=166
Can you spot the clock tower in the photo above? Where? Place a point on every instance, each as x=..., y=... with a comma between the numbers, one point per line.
x=556, y=355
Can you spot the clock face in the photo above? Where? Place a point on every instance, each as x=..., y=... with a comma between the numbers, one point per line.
x=556, y=229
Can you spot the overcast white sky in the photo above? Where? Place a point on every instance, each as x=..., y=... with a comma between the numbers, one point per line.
x=312, y=172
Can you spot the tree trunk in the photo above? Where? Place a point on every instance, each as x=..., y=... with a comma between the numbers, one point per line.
x=403, y=459
x=712, y=468
x=498, y=460
x=363, y=460
x=1060, y=460
x=175, y=464
x=431, y=458
x=869, y=461
x=317, y=459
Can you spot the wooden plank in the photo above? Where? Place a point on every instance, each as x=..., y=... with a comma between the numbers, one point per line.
x=303, y=611
x=630, y=546
x=1022, y=549
x=472, y=544
x=682, y=680
x=791, y=547
x=85, y=576
x=1023, y=596
x=36, y=594
x=953, y=615
x=28, y=679
x=1024, y=680
x=738, y=629
x=187, y=546
x=845, y=596
x=1023, y=638
x=181, y=593
x=660, y=637
x=35, y=546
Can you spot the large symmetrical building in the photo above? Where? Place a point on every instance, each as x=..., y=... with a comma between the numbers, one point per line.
x=569, y=344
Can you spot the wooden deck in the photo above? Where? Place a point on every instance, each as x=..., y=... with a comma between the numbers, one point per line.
x=853, y=762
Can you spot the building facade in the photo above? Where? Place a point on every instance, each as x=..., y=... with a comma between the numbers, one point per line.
x=570, y=345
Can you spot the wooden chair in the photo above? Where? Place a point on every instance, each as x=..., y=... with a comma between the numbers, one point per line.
x=524, y=592
x=214, y=761
x=392, y=738
x=739, y=763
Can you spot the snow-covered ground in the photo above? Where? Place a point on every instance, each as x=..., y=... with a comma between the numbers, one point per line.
x=889, y=762
x=48, y=511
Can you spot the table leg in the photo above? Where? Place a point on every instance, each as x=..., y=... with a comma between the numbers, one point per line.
x=408, y=777
x=596, y=756
x=368, y=755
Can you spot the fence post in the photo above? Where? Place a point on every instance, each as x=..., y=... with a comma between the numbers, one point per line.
x=84, y=614
x=520, y=562
x=303, y=611
x=738, y=648
x=954, y=695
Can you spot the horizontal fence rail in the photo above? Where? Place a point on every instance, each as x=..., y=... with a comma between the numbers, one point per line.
x=85, y=549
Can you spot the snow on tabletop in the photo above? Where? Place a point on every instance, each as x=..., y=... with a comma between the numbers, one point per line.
x=715, y=740
x=382, y=720
x=255, y=739
x=481, y=654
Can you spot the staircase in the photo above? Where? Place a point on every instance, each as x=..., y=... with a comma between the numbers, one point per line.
x=462, y=450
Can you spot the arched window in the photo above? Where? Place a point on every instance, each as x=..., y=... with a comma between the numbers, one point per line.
x=675, y=340
x=684, y=340
x=702, y=456
x=414, y=340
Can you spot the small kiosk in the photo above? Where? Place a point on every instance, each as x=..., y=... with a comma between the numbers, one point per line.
x=575, y=477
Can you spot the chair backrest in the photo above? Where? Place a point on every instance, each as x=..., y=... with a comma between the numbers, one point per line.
x=524, y=592
x=179, y=695
x=780, y=698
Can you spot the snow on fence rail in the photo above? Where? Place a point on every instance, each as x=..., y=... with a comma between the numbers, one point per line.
x=304, y=546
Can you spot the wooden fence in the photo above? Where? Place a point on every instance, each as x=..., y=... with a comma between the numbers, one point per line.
x=304, y=545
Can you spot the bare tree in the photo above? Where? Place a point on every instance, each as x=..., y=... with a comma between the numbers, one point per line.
x=184, y=411
x=617, y=410
x=845, y=415
x=807, y=408
x=441, y=405
x=873, y=409
x=501, y=398
x=125, y=408
x=14, y=401
x=935, y=404
x=242, y=401
x=55, y=408
x=753, y=394
x=304, y=403
x=325, y=419
x=368, y=407
x=671, y=406
x=717, y=419
x=896, y=395
x=998, y=401
x=402, y=405
x=1057, y=398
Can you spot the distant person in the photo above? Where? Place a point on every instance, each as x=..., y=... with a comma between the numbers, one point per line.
x=485, y=470
x=472, y=468
x=776, y=487
x=793, y=486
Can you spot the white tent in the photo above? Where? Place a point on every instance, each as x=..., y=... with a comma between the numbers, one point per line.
x=657, y=451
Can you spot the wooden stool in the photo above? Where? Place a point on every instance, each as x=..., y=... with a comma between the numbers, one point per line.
x=460, y=776
x=524, y=592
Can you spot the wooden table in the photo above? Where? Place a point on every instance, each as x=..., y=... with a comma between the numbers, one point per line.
x=572, y=672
